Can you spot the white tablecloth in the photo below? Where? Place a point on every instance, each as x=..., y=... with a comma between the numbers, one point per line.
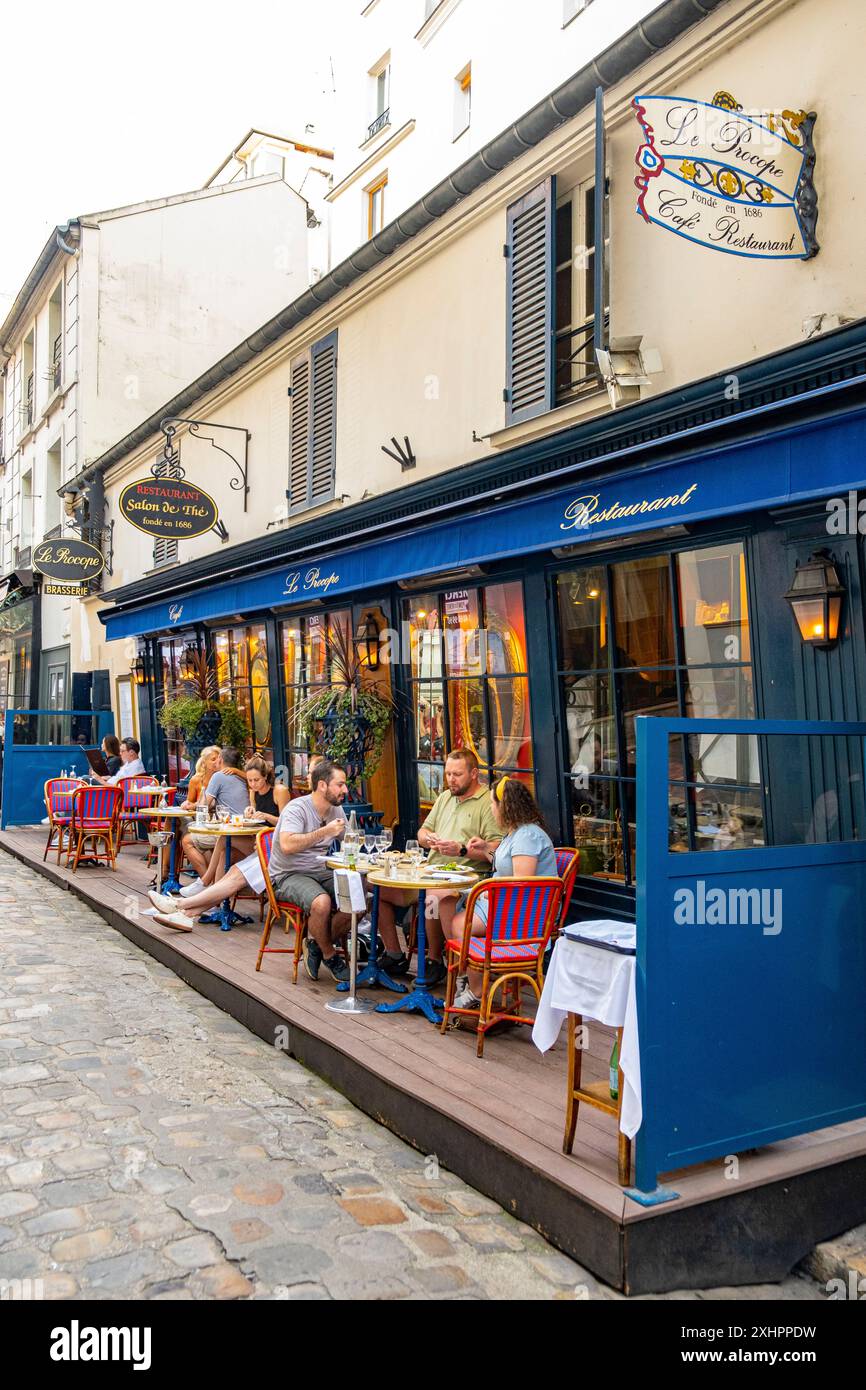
x=598, y=984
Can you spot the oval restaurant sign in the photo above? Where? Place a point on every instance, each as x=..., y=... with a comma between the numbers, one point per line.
x=168, y=507
x=69, y=562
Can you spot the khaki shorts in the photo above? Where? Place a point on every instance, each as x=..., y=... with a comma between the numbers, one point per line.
x=202, y=842
x=303, y=889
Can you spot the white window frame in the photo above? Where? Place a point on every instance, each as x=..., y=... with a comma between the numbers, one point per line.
x=462, y=101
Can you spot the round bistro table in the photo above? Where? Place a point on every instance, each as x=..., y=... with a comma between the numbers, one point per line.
x=419, y=999
x=225, y=830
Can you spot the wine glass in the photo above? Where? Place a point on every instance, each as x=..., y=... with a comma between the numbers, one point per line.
x=382, y=843
x=386, y=837
x=369, y=842
x=413, y=850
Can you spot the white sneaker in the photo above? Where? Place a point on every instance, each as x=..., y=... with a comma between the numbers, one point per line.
x=162, y=901
x=467, y=1000
x=462, y=984
x=192, y=888
x=178, y=920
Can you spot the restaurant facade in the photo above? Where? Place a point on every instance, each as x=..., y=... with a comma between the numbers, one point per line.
x=555, y=568
x=560, y=599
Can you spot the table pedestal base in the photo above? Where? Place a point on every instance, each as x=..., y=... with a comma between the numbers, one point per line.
x=420, y=1001
x=350, y=1006
x=373, y=974
x=225, y=917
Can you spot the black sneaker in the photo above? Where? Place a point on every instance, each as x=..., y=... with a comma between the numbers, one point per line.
x=337, y=968
x=312, y=954
x=394, y=965
x=435, y=973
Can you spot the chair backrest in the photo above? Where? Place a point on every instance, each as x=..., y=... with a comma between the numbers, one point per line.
x=96, y=806
x=567, y=865
x=264, y=840
x=131, y=785
x=58, y=795
x=519, y=910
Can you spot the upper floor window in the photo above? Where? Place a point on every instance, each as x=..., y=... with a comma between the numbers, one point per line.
x=462, y=100
x=550, y=298
x=570, y=8
x=376, y=205
x=380, y=96
x=575, y=364
x=313, y=429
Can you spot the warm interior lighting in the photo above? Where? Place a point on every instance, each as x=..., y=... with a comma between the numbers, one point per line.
x=815, y=597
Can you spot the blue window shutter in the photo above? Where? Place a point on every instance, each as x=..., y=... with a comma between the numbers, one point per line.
x=530, y=269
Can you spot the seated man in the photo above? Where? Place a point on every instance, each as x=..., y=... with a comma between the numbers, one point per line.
x=226, y=790
x=131, y=764
x=305, y=828
x=460, y=824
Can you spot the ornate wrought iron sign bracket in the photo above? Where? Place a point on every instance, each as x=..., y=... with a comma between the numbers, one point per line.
x=169, y=429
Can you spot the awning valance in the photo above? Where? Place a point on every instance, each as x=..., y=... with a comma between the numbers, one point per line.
x=821, y=460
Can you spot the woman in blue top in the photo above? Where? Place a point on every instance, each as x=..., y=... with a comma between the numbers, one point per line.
x=525, y=851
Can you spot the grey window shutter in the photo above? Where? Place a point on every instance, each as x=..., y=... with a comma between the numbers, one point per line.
x=165, y=549
x=323, y=424
x=529, y=303
x=299, y=433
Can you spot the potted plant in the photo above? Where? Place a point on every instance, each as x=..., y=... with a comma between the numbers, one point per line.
x=195, y=708
x=347, y=719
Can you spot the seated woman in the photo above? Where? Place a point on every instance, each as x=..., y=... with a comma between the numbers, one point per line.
x=526, y=851
x=111, y=751
x=267, y=799
x=198, y=848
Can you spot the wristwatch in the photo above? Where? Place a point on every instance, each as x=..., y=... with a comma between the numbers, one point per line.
x=462, y=850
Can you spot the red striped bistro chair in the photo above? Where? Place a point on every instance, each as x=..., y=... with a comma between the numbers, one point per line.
x=95, y=817
x=522, y=913
x=58, y=803
x=133, y=802
x=567, y=865
x=290, y=913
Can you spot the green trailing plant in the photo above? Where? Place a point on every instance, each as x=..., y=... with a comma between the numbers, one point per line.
x=346, y=719
x=197, y=694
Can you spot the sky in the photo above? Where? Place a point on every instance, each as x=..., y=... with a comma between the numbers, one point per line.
x=113, y=103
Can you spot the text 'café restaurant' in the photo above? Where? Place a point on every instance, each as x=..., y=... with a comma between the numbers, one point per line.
x=643, y=563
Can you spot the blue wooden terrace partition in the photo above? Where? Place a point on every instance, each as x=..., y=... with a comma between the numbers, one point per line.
x=750, y=1032
x=27, y=766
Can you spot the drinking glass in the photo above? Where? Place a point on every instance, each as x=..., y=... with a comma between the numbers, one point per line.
x=386, y=837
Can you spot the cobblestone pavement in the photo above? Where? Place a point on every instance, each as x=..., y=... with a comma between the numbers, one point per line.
x=151, y=1147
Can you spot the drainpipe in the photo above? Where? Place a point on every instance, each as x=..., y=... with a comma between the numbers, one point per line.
x=62, y=232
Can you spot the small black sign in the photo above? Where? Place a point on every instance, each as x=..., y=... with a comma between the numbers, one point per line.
x=168, y=507
x=68, y=561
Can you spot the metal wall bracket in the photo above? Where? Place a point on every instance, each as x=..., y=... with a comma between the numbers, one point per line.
x=169, y=429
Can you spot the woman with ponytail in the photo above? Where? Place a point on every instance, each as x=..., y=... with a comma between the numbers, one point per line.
x=525, y=851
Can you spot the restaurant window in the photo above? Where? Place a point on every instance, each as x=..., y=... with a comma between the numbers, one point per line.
x=305, y=666
x=313, y=427
x=241, y=662
x=171, y=650
x=469, y=683
x=664, y=635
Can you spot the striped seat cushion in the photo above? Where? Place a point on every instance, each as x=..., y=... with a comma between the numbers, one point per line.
x=500, y=952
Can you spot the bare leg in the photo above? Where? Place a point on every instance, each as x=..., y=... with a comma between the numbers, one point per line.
x=226, y=887
x=215, y=866
x=476, y=977
x=195, y=856
x=319, y=924
x=442, y=924
x=389, y=898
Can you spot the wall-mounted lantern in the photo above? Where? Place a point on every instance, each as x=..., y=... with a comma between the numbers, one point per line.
x=367, y=641
x=815, y=597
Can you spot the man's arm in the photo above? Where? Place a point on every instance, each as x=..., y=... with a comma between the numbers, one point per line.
x=294, y=841
x=427, y=829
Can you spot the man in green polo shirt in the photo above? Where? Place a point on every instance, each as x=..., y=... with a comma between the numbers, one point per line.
x=459, y=815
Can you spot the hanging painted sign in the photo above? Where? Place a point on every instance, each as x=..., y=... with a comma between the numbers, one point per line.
x=169, y=508
x=730, y=180
x=70, y=563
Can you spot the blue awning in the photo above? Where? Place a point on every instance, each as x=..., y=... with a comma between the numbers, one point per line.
x=819, y=460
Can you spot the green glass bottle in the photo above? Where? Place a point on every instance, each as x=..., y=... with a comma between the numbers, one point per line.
x=614, y=1069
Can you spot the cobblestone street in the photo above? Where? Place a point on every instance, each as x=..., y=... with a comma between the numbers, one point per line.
x=151, y=1147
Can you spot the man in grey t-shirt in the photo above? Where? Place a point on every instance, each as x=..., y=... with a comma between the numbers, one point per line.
x=303, y=832
x=227, y=789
